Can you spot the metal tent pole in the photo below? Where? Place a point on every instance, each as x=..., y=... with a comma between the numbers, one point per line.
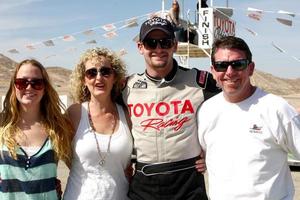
x=163, y=6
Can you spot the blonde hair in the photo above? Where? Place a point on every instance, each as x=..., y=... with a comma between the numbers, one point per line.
x=80, y=92
x=57, y=125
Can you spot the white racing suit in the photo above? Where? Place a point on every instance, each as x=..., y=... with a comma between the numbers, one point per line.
x=163, y=113
x=164, y=128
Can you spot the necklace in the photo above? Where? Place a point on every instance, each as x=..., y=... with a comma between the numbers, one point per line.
x=113, y=125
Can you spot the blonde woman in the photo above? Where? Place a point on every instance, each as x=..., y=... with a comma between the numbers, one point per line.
x=102, y=143
x=34, y=135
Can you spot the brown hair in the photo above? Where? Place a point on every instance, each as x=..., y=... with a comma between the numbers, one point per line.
x=231, y=42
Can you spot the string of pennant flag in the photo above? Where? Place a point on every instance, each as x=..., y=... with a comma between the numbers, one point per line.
x=111, y=30
x=257, y=15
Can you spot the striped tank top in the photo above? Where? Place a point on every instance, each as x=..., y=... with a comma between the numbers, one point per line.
x=28, y=177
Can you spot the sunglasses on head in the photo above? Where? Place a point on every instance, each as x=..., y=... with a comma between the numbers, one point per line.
x=237, y=65
x=93, y=72
x=165, y=43
x=36, y=83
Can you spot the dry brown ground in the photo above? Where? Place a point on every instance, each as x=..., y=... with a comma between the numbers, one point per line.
x=63, y=173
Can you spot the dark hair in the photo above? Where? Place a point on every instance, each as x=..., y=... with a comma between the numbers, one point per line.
x=231, y=42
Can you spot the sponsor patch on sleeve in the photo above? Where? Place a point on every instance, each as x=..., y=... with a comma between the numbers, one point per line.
x=140, y=84
x=201, y=78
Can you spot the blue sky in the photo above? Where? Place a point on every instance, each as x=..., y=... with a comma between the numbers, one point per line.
x=24, y=22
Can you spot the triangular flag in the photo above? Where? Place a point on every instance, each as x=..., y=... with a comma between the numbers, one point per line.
x=252, y=32
x=298, y=59
x=136, y=38
x=48, y=43
x=122, y=52
x=88, y=32
x=109, y=27
x=151, y=15
x=255, y=10
x=68, y=38
x=255, y=16
x=287, y=13
x=47, y=57
x=91, y=42
x=285, y=21
x=278, y=48
x=110, y=35
x=131, y=23
x=72, y=49
x=30, y=46
x=13, y=51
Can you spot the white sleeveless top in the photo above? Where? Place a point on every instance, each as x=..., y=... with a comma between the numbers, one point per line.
x=87, y=179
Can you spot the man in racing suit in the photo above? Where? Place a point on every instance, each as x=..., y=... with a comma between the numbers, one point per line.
x=162, y=103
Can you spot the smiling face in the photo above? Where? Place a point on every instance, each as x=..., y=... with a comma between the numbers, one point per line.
x=159, y=61
x=235, y=83
x=99, y=86
x=29, y=96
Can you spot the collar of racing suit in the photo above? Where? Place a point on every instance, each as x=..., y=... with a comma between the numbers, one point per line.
x=169, y=76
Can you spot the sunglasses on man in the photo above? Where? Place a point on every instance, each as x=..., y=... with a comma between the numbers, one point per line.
x=238, y=65
x=165, y=43
x=93, y=72
x=22, y=83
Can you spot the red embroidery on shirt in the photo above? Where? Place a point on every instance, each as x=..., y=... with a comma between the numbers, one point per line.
x=159, y=124
x=161, y=108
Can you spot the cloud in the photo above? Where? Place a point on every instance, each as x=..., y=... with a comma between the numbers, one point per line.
x=18, y=43
x=15, y=23
x=9, y=23
x=9, y=4
x=11, y=17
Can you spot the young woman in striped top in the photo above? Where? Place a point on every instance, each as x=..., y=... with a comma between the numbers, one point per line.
x=34, y=135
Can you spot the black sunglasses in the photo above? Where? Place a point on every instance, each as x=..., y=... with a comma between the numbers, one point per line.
x=165, y=43
x=36, y=83
x=237, y=65
x=104, y=71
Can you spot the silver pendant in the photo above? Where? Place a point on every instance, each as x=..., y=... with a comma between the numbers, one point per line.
x=101, y=162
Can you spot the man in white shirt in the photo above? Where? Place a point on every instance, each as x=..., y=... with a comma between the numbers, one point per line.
x=245, y=132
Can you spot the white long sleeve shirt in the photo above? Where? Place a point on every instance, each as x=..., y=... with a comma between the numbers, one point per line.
x=246, y=146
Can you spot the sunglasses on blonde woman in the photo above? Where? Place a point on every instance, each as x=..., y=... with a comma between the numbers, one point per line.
x=36, y=83
x=104, y=71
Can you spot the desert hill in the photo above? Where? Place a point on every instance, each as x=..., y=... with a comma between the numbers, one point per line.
x=276, y=85
x=58, y=75
x=287, y=88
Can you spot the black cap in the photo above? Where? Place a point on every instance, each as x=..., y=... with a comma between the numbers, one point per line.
x=156, y=23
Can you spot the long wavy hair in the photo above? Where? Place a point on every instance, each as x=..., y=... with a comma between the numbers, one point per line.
x=56, y=124
x=79, y=91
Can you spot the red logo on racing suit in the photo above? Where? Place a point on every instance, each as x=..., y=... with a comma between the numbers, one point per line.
x=177, y=108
